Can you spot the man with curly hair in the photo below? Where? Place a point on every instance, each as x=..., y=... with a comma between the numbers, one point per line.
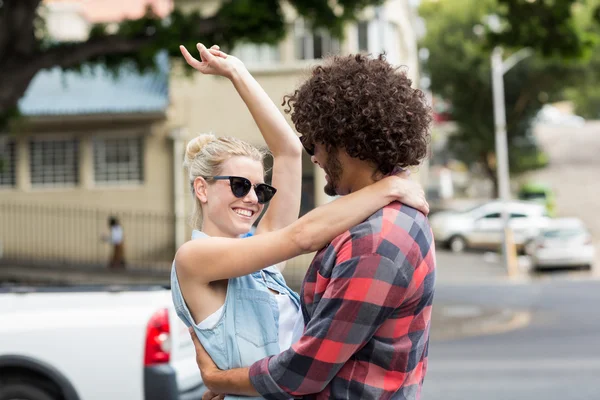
x=367, y=297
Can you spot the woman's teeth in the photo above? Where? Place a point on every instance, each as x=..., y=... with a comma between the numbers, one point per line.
x=245, y=213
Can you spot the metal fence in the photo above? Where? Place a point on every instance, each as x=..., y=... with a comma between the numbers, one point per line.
x=38, y=234
x=50, y=236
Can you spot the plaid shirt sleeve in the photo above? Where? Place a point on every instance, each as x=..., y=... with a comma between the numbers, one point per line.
x=357, y=298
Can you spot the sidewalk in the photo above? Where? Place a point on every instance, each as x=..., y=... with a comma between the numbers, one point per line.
x=451, y=268
x=457, y=322
x=468, y=267
x=79, y=276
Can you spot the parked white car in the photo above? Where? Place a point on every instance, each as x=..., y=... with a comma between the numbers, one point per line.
x=482, y=227
x=566, y=242
x=94, y=343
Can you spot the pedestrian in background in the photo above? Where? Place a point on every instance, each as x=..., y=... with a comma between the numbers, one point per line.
x=115, y=238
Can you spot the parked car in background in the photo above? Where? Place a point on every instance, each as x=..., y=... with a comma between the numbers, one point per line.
x=482, y=226
x=566, y=242
x=94, y=343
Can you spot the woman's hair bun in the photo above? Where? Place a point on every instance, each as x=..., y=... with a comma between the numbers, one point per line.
x=196, y=145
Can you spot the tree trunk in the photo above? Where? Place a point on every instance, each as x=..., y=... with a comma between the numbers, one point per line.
x=490, y=172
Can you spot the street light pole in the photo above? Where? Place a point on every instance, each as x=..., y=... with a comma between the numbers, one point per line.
x=499, y=68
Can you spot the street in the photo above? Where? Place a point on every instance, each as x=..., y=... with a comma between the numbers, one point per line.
x=555, y=356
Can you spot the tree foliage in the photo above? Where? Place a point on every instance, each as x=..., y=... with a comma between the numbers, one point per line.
x=460, y=45
x=25, y=49
x=585, y=93
x=549, y=26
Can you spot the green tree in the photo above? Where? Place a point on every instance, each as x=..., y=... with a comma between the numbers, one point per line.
x=25, y=49
x=460, y=46
x=585, y=94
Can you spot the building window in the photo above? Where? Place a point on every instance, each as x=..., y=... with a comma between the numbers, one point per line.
x=54, y=162
x=311, y=44
x=118, y=160
x=363, y=36
x=378, y=36
x=392, y=43
x=7, y=163
x=257, y=54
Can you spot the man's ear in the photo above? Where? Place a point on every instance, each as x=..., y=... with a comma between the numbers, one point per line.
x=200, y=189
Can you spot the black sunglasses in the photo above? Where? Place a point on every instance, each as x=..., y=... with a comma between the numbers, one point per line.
x=308, y=147
x=241, y=187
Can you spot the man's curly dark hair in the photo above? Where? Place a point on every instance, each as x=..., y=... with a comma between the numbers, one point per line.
x=365, y=106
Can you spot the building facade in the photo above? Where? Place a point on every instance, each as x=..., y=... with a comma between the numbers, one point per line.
x=91, y=146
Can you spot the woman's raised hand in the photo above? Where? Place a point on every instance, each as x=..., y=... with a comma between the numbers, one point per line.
x=212, y=61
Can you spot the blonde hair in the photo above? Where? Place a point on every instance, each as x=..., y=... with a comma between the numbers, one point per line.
x=204, y=156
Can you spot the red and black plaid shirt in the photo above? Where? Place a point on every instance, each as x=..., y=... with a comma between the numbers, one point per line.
x=366, y=301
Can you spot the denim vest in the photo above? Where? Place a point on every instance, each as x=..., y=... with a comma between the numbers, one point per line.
x=248, y=329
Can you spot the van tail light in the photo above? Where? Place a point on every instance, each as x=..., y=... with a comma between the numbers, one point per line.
x=158, y=339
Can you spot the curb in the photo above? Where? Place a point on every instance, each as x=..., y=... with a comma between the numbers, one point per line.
x=447, y=327
x=72, y=276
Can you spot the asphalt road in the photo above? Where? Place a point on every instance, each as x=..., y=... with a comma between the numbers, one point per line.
x=556, y=356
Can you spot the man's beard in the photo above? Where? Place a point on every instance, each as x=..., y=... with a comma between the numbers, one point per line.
x=333, y=169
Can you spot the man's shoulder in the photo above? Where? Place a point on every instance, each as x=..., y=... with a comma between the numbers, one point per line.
x=386, y=231
x=388, y=221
